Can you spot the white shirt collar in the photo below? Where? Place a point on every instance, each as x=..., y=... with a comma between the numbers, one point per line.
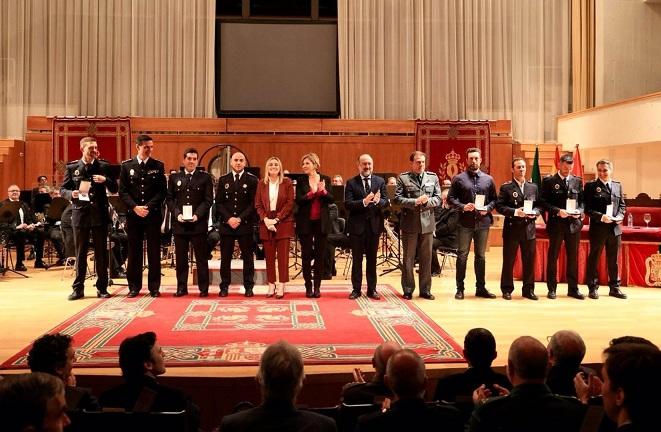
x=140, y=160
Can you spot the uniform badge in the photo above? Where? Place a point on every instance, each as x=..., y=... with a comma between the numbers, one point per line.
x=557, y=186
x=178, y=182
x=132, y=171
x=76, y=172
x=245, y=185
x=515, y=194
x=598, y=189
x=227, y=185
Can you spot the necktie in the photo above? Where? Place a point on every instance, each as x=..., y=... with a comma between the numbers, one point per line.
x=236, y=178
x=189, y=177
x=367, y=185
x=566, y=182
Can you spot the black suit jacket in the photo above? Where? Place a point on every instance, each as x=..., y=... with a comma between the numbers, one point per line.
x=28, y=214
x=412, y=415
x=597, y=197
x=361, y=218
x=198, y=192
x=143, y=186
x=236, y=199
x=276, y=418
x=554, y=198
x=95, y=211
x=510, y=198
x=305, y=204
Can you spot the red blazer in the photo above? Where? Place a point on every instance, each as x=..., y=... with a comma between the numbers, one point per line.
x=284, y=209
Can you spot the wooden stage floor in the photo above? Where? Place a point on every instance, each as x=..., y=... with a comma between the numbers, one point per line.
x=30, y=307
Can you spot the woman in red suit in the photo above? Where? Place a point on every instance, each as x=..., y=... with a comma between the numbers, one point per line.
x=274, y=202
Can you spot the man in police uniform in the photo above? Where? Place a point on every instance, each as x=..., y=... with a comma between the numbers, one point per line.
x=142, y=188
x=562, y=225
x=417, y=192
x=519, y=229
x=605, y=229
x=89, y=213
x=236, y=216
x=190, y=196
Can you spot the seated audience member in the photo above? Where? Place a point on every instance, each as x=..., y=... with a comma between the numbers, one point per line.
x=566, y=351
x=337, y=237
x=337, y=180
x=51, y=229
x=141, y=360
x=280, y=376
x=405, y=375
x=480, y=352
x=530, y=406
x=445, y=234
x=33, y=402
x=53, y=354
x=392, y=181
x=361, y=392
x=23, y=229
x=632, y=378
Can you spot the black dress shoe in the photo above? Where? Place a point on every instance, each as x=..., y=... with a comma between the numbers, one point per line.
x=204, y=293
x=132, y=294
x=484, y=294
x=308, y=293
x=593, y=294
x=459, y=295
x=428, y=296
x=407, y=296
x=551, y=295
x=155, y=293
x=374, y=295
x=435, y=274
x=530, y=296
x=615, y=292
x=59, y=263
x=316, y=293
x=76, y=295
x=223, y=292
x=249, y=292
x=576, y=294
x=20, y=267
x=181, y=293
x=354, y=295
x=40, y=265
x=102, y=294
x=507, y=296
x=31, y=256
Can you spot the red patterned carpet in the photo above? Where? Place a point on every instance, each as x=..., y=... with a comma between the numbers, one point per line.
x=235, y=330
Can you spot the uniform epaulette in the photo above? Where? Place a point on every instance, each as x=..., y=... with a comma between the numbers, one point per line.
x=103, y=160
x=405, y=172
x=127, y=160
x=73, y=162
x=508, y=182
x=615, y=181
x=431, y=173
x=250, y=174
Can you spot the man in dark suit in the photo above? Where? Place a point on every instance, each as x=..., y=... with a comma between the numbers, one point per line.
x=519, y=229
x=563, y=224
x=85, y=184
x=280, y=377
x=405, y=375
x=190, y=195
x=365, y=198
x=142, y=188
x=369, y=392
x=605, y=227
x=24, y=229
x=566, y=352
x=530, y=406
x=418, y=193
x=236, y=215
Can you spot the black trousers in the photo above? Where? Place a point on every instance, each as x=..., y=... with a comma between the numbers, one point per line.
x=199, y=242
x=513, y=239
x=118, y=251
x=136, y=231
x=21, y=237
x=600, y=237
x=247, y=247
x=81, y=238
x=313, y=245
x=559, y=234
x=364, y=244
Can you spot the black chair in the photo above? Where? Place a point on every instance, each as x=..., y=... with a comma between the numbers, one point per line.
x=349, y=415
x=446, y=253
x=112, y=421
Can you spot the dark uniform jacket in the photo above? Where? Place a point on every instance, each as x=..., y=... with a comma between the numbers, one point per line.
x=236, y=199
x=363, y=218
x=554, y=198
x=277, y=417
x=412, y=415
x=511, y=198
x=597, y=197
x=305, y=204
x=95, y=211
x=143, y=186
x=417, y=218
x=197, y=192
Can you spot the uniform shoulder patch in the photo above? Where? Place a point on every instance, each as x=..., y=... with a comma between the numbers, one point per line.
x=127, y=160
x=73, y=162
x=508, y=182
x=404, y=173
x=431, y=173
x=251, y=174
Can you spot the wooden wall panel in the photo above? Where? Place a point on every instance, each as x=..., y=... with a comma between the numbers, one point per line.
x=501, y=160
x=12, y=165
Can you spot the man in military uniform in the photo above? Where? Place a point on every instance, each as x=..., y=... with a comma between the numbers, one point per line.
x=417, y=192
x=190, y=195
x=474, y=222
x=236, y=216
x=563, y=225
x=142, y=188
x=605, y=227
x=85, y=184
x=519, y=229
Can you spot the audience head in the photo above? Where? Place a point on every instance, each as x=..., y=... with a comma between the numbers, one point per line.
x=392, y=181
x=632, y=378
x=141, y=355
x=382, y=354
x=566, y=164
x=280, y=372
x=630, y=339
x=337, y=180
x=14, y=192
x=405, y=374
x=33, y=402
x=446, y=183
x=527, y=361
x=480, y=348
x=310, y=163
x=566, y=348
x=273, y=168
x=52, y=354
x=42, y=180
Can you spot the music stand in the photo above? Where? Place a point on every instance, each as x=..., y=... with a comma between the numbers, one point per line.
x=338, y=196
x=8, y=214
x=40, y=201
x=56, y=208
x=120, y=208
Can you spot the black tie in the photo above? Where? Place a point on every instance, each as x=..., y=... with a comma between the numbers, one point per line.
x=607, y=187
x=367, y=185
x=236, y=178
x=189, y=177
x=567, y=183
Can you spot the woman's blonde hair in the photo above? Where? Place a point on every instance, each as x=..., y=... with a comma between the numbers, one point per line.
x=266, y=170
x=312, y=157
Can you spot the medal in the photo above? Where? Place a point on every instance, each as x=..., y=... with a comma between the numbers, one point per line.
x=598, y=189
x=515, y=194
x=178, y=182
x=132, y=171
x=245, y=185
x=557, y=186
x=227, y=185
x=76, y=172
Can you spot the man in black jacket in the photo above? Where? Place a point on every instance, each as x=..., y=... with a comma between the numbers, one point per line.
x=445, y=235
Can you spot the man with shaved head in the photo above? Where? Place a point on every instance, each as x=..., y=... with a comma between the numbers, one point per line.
x=530, y=406
x=406, y=377
x=361, y=392
x=566, y=351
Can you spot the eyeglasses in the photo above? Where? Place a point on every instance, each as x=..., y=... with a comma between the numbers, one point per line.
x=14, y=191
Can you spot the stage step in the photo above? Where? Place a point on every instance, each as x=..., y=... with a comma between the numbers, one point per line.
x=237, y=272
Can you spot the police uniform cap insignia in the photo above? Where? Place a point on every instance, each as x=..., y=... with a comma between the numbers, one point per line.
x=227, y=185
x=245, y=185
x=178, y=182
x=557, y=186
x=598, y=189
x=132, y=171
x=77, y=172
x=515, y=194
